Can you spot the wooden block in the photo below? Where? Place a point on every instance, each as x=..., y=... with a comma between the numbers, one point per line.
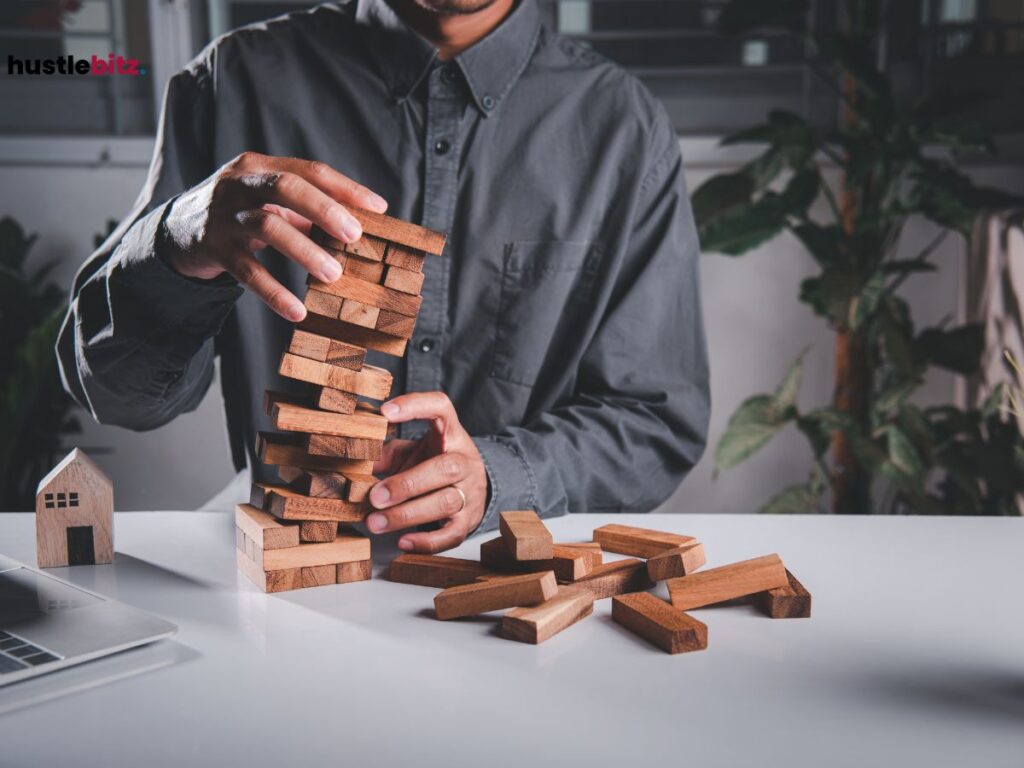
x=369, y=382
x=268, y=581
x=321, y=485
x=357, y=313
x=404, y=258
x=365, y=269
x=616, y=578
x=495, y=594
x=359, y=486
x=293, y=417
x=318, y=530
x=398, y=231
x=435, y=571
x=326, y=350
x=568, y=563
x=525, y=535
x=404, y=280
x=319, y=575
x=367, y=248
x=335, y=401
x=360, y=570
x=345, y=447
x=323, y=304
x=74, y=513
x=289, y=448
x=540, y=622
x=792, y=601
x=591, y=548
x=330, y=325
x=655, y=620
x=265, y=529
x=370, y=294
x=395, y=324
x=676, y=562
x=346, y=548
x=286, y=504
x=727, y=582
x=637, y=542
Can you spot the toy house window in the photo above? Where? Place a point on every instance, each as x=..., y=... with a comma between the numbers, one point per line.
x=48, y=501
x=73, y=498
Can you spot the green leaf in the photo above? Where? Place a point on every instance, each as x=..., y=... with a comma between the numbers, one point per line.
x=902, y=453
x=892, y=397
x=743, y=229
x=794, y=500
x=866, y=303
x=873, y=100
x=720, y=194
x=951, y=199
x=831, y=293
x=827, y=244
x=905, y=266
x=958, y=349
x=801, y=192
x=818, y=426
x=754, y=424
x=789, y=387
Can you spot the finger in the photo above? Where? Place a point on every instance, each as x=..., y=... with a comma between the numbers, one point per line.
x=291, y=191
x=273, y=230
x=438, y=505
x=254, y=276
x=436, y=472
x=297, y=220
x=336, y=184
x=451, y=534
x=393, y=456
x=420, y=405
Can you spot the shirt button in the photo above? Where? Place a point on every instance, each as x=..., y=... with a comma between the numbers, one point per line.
x=449, y=75
x=488, y=102
x=442, y=146
x=426, y=345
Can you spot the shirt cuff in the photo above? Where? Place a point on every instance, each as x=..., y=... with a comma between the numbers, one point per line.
x=511, y=482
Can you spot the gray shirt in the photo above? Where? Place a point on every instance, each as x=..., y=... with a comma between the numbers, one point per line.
x=564, y=317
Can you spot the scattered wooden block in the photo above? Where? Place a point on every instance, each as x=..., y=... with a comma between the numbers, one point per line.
x=435, y=571
x=357, y=313
x=541, y=622
x=495, y=594
x=365, y=269
x=637, y=542
x=591, y=548
x=658, y=622
x=286, y=504
x=370, y=381
x=335, y=401
x=265, y=529
x=616, y=578
x=294, y=417
x=727, y=582
x=405, y=258
x=345, y=548
x=676, y=562
x=289, y=448
x=394, y=324
x=525, y=535
x=268, y=581
x=319, y=575
x=318, y=530
x=359, y=486
x=792, y=601
x=359, y=570
x=398, y=231
x=326, y=350
x=404, y=280
x=369, y=294
x=329, y=325
x=344, y=447
x=569, y=564
x=322, y=304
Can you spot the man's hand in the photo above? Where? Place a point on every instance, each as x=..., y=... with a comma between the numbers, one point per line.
x=255, y=201
x=427, y=475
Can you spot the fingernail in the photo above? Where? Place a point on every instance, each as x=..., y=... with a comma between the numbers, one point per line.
x=376, y=523
x=378, y=203
x=330, y=270
x=296, y=312
x=379, y=495
x=405, y=545
x=351, y=230
x=390, y=409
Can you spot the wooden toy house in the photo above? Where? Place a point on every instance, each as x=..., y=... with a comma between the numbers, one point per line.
x=75, y=514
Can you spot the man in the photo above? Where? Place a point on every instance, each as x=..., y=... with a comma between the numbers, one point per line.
x=559, y=359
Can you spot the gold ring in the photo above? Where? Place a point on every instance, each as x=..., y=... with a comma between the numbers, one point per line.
x=463, y=495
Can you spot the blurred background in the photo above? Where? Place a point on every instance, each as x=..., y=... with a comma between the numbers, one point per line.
x=862, y=227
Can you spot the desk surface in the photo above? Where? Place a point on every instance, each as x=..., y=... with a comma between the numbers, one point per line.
x=914, y=656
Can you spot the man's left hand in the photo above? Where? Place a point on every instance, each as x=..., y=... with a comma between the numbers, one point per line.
x=438, y=477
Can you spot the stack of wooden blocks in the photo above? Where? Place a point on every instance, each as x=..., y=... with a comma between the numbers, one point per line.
x=550, y=586
x=298, y=533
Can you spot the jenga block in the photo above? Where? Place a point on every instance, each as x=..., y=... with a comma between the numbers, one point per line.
x=289, y=448
x=792, y=601
x=368, y=248
x=357, y=313
x=676, y=562
x=658, y=622
x=322, y=485
x=319, y=575
x=359, y=486
x=404, y=258
x=345, y=447
x=398, y=231
x=323, y=304
x=329, y=325
x=360, y=570
x=335, y=401
x=326, y=350
x=318, y=530
x=568, y=564
x=637, y=542
x=616, y=578
x=525, y=535
x=365, y=269
x=264, y=529
x=286, y=504
x=268, y=581
x=591, y=548
x=293, y=417
x=495, y=594
x=727, y=582
x=369, y=293
x=540, y=622
x=435, y=571
x=395, y=324
x=369, y=382
x=346, y=548
x=404, y=280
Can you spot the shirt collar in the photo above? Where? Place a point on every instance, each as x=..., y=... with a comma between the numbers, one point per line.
x=491, y=67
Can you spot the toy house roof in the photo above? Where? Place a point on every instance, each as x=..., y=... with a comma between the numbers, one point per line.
x=79, y=457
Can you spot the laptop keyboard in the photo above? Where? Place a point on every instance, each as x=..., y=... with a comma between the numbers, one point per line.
x=17, y=654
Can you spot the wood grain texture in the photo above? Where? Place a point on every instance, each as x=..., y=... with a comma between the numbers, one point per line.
x=569, y=564
x=792, y=601
x=330, y=325
x=326, y=350
x=322, y=304
x=404, y=280
x=435, y=571
x=394, y=324
x=637, y=542
x=346, y=548
x=365, y=269
x=318, y=575
x=323, y=485
x=658, y=622
x=268, y=581
x=398, y=231
x=289, y=449
x=592, y=548
x=358, y=313
x=344, y=447
x=538, y=623
x=335, y=401
x=495, y=594
x=285, y=504
x=359, y=570
x=359, y=486
x=318, y=530
x=727, y=582
x=367, y=248
x=294, y=417
x=75, y=494
x=405, y=258
x=370, y=381
x=676, y=562
x=370, y=294
x=264, y=529
x=525, y=535
x=615, y=578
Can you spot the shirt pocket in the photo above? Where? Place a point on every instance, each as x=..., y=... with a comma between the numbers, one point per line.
x=542, y=306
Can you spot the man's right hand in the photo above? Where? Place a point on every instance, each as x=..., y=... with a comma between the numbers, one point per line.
x=256, y=201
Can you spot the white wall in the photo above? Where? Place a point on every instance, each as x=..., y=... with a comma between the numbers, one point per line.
x=755, y=328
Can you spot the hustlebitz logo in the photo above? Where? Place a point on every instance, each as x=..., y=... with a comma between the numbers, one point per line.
x=94, y=65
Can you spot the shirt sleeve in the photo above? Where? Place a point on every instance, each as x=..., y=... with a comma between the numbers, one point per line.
x=136, y=347
x=638, y=421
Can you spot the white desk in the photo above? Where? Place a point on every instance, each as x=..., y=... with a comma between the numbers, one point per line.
x=914, y=657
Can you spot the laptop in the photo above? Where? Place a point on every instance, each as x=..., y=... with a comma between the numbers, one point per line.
x=47, y=624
